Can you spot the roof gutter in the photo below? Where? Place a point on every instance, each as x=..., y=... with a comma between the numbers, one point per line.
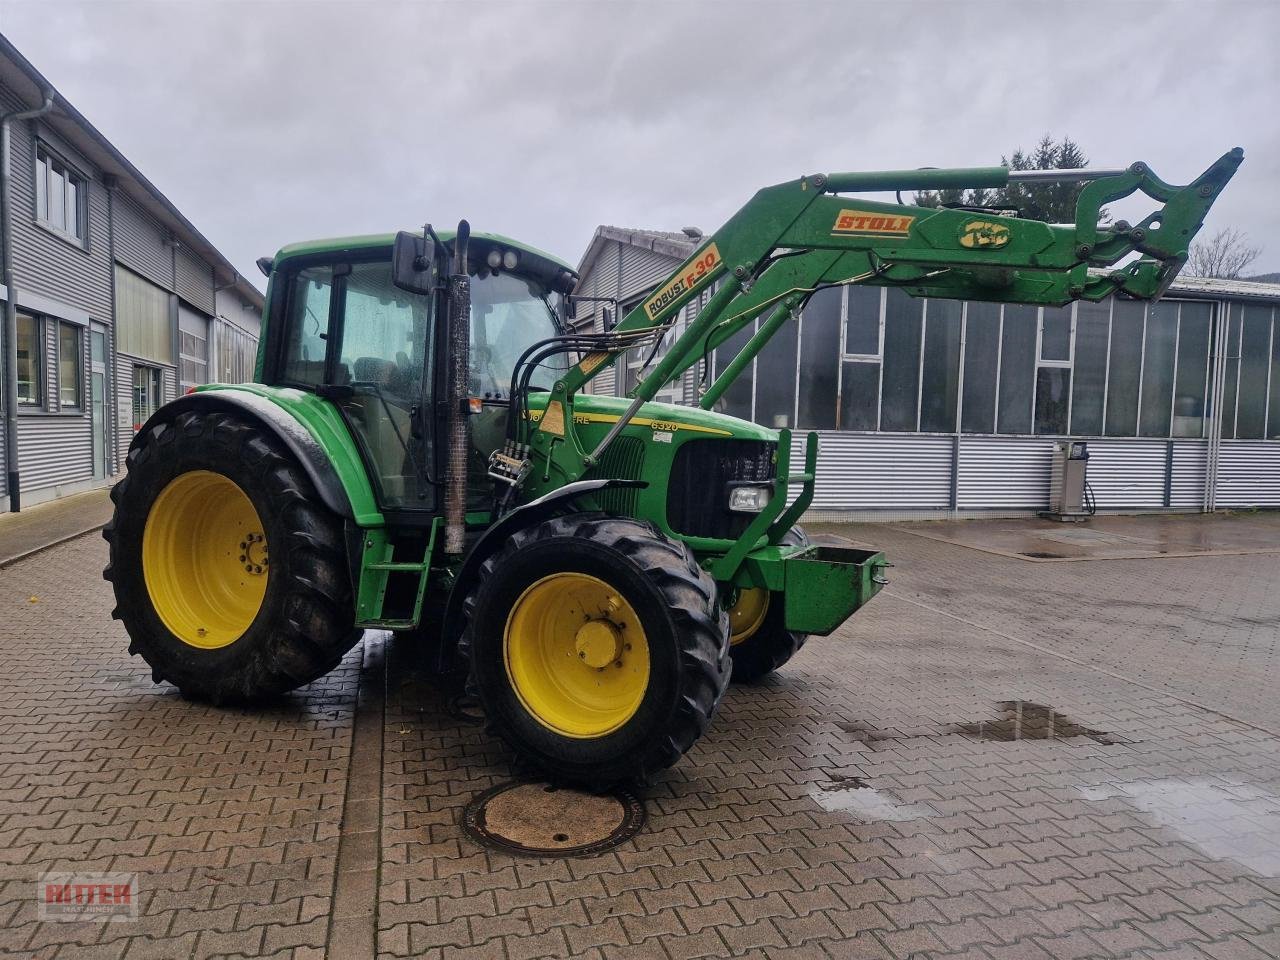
x=11, y=297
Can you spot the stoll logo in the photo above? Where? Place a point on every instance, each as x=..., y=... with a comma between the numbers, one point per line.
x=87, y=896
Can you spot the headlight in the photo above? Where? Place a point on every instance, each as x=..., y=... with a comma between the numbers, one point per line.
x=749, y=499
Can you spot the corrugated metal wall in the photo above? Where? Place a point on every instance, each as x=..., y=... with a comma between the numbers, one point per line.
x=44, y=262
x=1126, y=473
x=1186, y=489
x=1249, y=474
x=642, y=269
x=194, y=280
x=54, y=450
x=858, y=471
x=124, y=406
x=1003, y=473
x=140, y=243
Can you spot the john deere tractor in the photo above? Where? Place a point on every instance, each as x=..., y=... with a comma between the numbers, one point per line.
x=419, y=454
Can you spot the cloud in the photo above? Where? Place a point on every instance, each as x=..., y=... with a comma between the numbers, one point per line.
x=273, y=122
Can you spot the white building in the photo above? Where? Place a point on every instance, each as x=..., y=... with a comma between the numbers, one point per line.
x=939, y=408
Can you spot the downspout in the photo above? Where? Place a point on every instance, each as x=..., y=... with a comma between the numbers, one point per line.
x=10, y=300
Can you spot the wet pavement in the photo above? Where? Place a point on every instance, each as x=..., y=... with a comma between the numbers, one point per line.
x=36, y=527
x=1109, y=537
x=995, y=759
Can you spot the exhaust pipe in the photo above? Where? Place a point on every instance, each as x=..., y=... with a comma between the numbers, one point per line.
x=459, y=423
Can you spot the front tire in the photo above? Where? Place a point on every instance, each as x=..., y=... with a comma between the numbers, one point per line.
x=229, y=574
x=597, y=648
x=760, y=642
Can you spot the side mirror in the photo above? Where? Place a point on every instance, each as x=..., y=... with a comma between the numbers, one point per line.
x=413, y=263
x=570, y=307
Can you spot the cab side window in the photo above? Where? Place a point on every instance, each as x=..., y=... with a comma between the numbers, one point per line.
x=307, y=324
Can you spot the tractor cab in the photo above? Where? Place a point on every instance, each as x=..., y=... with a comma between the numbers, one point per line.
x=350, y=334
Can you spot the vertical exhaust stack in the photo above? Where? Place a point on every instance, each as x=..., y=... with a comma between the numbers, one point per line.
x=459, y=429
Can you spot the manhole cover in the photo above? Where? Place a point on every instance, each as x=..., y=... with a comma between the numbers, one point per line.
x=543, y=820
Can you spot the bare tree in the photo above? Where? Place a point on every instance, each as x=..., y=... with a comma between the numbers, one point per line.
x=1226, y=255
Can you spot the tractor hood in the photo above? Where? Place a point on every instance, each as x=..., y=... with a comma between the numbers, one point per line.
x=589, y=408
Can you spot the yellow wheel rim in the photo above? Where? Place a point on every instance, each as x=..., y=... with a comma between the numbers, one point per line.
x=576, y=655
x=204, y=559
x=747, y=614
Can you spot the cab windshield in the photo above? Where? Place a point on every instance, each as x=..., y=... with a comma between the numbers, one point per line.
x=508, y=314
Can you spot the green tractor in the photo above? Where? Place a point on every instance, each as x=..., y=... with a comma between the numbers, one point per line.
x=419, y=455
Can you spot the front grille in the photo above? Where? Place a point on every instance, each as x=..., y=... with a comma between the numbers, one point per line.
x=622, y=460
x=698, y=494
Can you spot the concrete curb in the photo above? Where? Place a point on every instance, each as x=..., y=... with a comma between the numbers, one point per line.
x=17, y=558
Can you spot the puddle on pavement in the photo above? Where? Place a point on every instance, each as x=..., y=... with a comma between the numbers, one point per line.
x=1228, y=821
x=1042, y=555
x=1024, y=720
x=1017, y=720
x=853, y=796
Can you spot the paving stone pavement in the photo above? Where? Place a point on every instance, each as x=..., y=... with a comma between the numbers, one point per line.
x=868, y=801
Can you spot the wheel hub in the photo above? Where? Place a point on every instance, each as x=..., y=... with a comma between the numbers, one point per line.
x=253, y=555
x=204, y=559
x=576, y=655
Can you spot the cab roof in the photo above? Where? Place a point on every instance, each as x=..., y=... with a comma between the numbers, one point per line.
x=375, y=240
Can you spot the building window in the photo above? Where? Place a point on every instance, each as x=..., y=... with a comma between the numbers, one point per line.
x=1053, y=371
x=60, y=196
x=193, y=359
x=30, y=343
x=147, y=385
x=860, y=388
x=70, y=367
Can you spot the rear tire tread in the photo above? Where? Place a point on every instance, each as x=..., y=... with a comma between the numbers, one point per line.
x=312, y=624
x=691, y=601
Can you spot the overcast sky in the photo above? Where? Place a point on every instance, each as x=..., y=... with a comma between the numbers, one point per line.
x=280, y=121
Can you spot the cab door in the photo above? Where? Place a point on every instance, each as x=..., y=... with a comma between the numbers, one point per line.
x=366, y=345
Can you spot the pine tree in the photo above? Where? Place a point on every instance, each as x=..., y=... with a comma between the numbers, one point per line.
x=1052, y=202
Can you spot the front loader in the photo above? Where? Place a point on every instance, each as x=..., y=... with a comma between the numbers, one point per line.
x=418, y=455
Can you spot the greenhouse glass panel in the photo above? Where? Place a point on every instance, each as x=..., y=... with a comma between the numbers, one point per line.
x=1157, y=368
x=1053, y=387
x=862, y=328
x=1126, y=368
x=1273, y=410
x=941, y=366
x=1255, y=359
x=1055, y=334
x=736, y=400
x=1231, y=372
x=820, y=360
x=1017, y=368
x=1193, y=361
x=1093, y=330
x=902, y=335
x=858, y=392
x=981, y=348
x=776, y=378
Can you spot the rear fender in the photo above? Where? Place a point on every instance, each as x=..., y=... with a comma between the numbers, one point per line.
x=313, y=456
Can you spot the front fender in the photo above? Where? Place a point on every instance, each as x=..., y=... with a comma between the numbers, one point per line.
x=308, y=427
x=535, y=511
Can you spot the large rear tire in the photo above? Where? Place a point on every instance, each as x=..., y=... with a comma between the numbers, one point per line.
x=229, y=575
x=597, y=648
x=760, y=642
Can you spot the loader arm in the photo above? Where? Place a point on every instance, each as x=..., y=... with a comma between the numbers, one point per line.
x=795, y=238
